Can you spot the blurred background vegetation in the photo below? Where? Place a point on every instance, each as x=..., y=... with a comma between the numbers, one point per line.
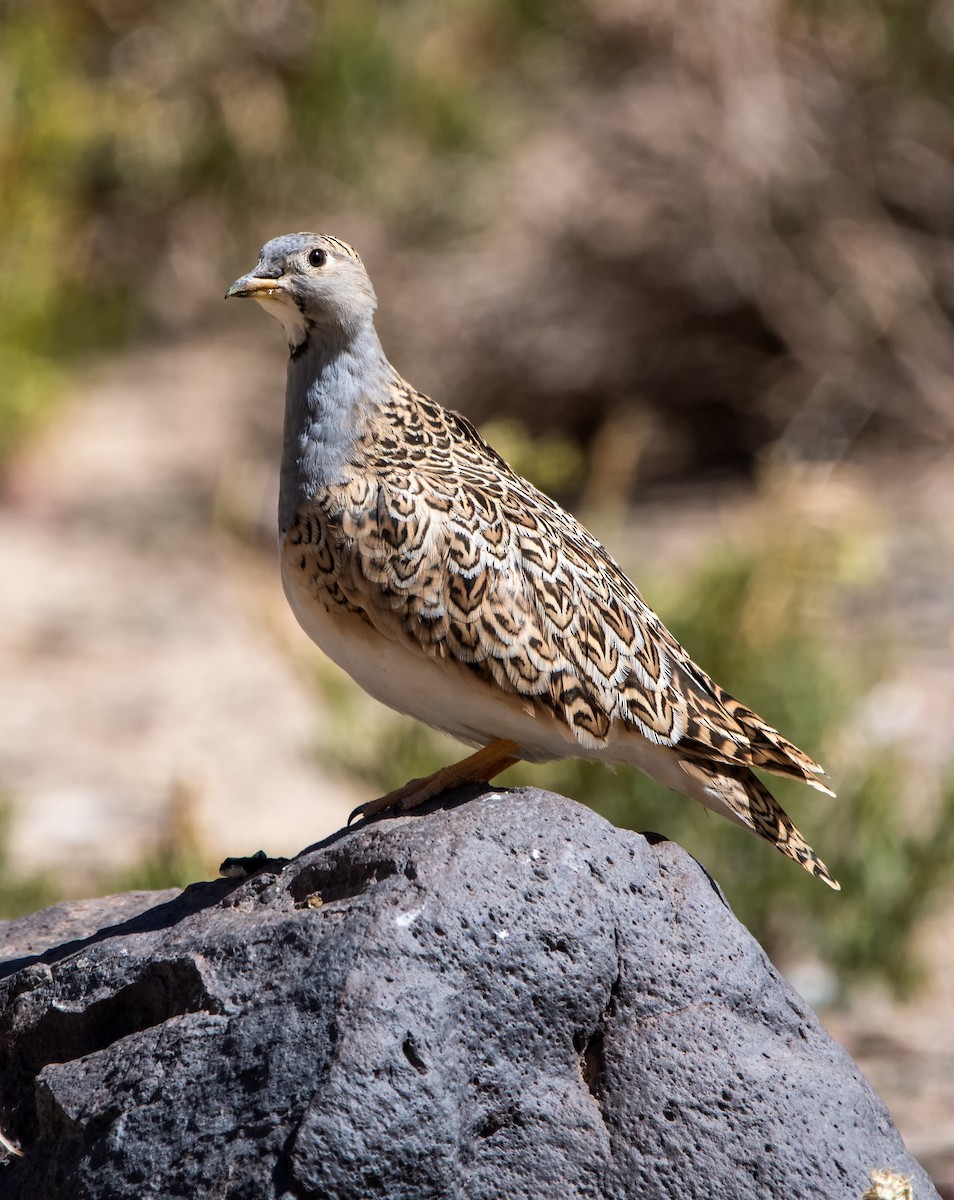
x=657, y=248
x=727, y=228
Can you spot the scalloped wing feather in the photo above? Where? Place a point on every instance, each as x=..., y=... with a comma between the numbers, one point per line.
x=436, y=544
x=453, y=550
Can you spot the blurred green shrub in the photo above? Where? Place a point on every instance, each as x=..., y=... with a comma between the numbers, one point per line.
x=556, y=463
x=175, y=858
x=51, y=116
x=20, y=891
x=142, y=144
x=765, y=617
x=137, y=140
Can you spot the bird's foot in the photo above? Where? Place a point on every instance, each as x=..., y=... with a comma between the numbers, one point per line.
x=477, y=768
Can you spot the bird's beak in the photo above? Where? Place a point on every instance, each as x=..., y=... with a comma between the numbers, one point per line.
x=250, y=285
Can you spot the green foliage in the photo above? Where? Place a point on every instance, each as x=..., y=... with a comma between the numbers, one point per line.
x=20, y=891
x=175, y=859
x=759, y=615
x=554, y=462
x=129, y=132
x=136, y=141
x=895, y=874
x=356, y=88
x=165, y=867
x=53, y=116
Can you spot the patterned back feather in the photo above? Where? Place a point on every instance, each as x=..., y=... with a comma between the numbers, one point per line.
x=436, y=540
x=454, y=590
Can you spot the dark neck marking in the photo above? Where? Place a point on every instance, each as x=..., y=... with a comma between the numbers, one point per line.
x=295, y=352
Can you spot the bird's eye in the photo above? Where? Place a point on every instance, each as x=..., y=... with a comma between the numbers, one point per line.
x=317, y=257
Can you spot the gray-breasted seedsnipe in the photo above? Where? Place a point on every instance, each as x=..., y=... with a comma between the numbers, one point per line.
x=454, y=591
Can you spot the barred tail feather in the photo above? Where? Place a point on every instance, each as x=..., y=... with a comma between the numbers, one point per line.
x=771, y=751
x=736, y=793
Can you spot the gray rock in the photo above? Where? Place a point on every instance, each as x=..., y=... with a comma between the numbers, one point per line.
x=502, y=998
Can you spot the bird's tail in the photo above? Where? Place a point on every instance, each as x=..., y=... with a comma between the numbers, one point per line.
x=770, y=751
x=735, y=792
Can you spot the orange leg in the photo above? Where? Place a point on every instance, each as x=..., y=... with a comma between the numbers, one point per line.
x=477, y=768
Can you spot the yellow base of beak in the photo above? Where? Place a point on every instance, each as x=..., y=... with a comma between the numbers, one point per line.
x=248, y=285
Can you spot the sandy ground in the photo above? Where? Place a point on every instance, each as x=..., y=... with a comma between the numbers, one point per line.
x=145, y=648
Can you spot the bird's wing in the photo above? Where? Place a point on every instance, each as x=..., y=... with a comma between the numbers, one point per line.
x=477, y=565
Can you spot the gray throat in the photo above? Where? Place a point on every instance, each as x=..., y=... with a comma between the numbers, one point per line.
x=335, y=386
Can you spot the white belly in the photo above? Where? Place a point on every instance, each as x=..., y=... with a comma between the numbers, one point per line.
x=446, y=696
x=439, y=692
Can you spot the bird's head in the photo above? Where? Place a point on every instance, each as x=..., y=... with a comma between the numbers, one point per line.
x=310, y=281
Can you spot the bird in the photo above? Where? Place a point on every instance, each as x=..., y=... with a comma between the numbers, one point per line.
x=454, y=591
